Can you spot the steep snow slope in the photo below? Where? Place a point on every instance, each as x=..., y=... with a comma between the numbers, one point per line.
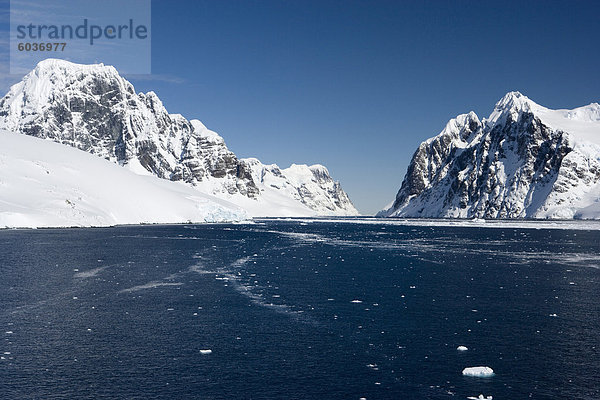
x=92, y=108
x=45, y=184
x=524, y=161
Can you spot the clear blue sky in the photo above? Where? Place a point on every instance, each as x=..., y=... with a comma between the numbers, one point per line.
x=357, y=85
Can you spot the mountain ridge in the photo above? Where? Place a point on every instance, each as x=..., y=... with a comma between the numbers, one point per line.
x=523, y=161
x=93, y=108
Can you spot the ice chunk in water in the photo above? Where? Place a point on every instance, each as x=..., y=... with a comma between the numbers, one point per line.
x=462, y=348
x=480, y=372
x=206, y=351
x=480, y=397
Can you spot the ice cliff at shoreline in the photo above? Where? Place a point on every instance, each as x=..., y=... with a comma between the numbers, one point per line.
x=45, y=184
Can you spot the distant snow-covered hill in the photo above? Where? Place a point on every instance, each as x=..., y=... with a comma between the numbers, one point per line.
x=93, y=108
x=524, y=161
x=45, y=184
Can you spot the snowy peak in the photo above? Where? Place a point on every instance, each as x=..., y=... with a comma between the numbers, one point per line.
x=311, y=186
x=589, y=113
x=514, y=100
x=524, y=161
x=583, y=123
x=51, y=65
x=460, y=128
x=205, y=133
x=51, y=76
x=94, y=109
x=512, y=105
x=517, y=102
x=320, y=172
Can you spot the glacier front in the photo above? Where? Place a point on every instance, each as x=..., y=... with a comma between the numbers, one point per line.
x=45, y=184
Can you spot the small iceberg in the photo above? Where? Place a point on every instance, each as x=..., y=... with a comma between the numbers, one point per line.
x=480, y=397
x=462, y=348
x=479, y=372
x=206, y=351
x=356, y=301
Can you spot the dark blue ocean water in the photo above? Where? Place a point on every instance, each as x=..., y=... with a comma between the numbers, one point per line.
x=297, y=310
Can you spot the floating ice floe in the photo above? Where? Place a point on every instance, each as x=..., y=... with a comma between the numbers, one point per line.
x=462, y=348
x=150, y=285
x=206, y=351
x=89, y=273
x=480, y=397
x=553, y=315
x=479, y=372
x=356, y=301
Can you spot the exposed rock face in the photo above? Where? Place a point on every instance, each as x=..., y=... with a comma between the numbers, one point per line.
x=310, y=185
x=92, y=108
x=524, y=161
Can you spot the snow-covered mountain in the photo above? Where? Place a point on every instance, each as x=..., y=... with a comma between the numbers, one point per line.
x=45, y=184
x=93, y=108
x=524, y=161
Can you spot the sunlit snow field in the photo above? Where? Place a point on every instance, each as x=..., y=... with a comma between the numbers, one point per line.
x=295, y=309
